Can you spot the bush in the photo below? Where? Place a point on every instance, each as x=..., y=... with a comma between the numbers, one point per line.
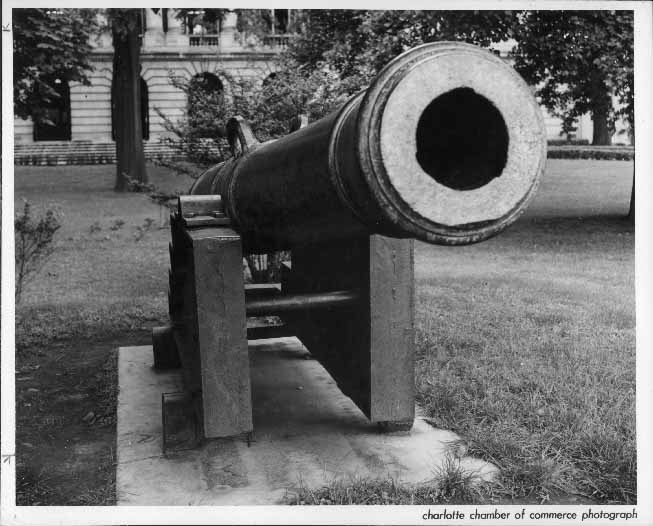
x=605, y=154
x=568, y=142
x=199, y=137
x=33, y=239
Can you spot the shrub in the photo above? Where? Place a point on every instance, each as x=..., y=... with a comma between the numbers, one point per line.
x=568, y=142
x=199, y=137
x=605, y=154
x=33, y=237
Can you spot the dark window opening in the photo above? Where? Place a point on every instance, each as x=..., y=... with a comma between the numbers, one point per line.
x=280, y=20
x=207, y=21
x=207, y=82
x=53, y=123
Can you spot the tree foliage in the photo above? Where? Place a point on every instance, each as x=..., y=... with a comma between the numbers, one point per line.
x=253, y=23
x=49, y=44
x=292, y=91
x=198, y=137
x=203, y=91
x=357, y=44
x=579, y=60
x=270, y=107
x=209, y=18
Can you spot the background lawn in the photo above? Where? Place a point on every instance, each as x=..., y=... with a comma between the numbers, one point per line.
x=526, y=343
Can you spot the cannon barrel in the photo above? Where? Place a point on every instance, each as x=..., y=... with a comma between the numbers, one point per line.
x=446, y=145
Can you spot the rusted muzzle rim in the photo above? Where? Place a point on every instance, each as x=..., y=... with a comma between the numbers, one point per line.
x=451, y=142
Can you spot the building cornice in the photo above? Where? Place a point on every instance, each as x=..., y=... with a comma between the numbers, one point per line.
x=185, y=54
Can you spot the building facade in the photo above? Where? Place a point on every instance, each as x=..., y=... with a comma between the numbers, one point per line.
x=169, y=48
x=82, y=118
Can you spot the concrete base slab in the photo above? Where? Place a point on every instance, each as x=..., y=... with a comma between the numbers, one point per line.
x=306, y=432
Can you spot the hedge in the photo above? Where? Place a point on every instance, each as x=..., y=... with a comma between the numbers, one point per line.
x=597, y=153
x=570, y=142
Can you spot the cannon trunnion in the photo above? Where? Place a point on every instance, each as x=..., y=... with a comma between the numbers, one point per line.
x=445, y=146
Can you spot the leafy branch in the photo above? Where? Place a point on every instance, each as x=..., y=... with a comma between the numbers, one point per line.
x=33, y=238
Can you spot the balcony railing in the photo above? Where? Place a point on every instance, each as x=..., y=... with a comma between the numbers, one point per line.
x=278, y=41
x=204, y=40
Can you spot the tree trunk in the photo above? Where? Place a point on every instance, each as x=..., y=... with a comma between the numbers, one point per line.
x=631, y=211
x=130, y=158
x=601, y=134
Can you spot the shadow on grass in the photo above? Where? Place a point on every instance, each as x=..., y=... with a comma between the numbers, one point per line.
x=588, y=233
x=66, y=396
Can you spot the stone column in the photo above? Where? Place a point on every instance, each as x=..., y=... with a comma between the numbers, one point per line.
x=228, y=33
x=153, y=36
x=174, y=37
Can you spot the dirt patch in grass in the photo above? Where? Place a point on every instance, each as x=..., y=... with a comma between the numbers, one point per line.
x=66, y=421
x=104, y=287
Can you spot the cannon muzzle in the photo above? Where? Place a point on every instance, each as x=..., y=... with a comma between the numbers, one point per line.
x=446, y=145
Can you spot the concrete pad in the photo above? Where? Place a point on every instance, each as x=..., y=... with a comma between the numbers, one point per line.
x=305, y=432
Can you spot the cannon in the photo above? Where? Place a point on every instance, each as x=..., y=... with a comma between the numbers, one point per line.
x=445, y=146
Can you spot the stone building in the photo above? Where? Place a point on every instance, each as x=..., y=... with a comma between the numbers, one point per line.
x=83, y=127
x=83, y=130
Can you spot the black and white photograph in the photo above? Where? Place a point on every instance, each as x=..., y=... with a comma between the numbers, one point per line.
x=342, y=264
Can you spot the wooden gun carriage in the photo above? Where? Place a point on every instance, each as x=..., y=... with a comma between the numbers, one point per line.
x=445, y=146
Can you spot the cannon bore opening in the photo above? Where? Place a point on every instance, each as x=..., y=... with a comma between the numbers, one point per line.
x=462, y=140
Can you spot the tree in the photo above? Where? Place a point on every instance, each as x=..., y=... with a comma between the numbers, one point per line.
x=320, y=29
x=357, y=44
x=579, y=60
x=126, y=28
x=49, y=44
x=631, y=208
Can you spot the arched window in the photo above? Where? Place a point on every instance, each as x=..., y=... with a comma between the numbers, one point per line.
x=145, y=111
x=54, y=122
x=205, y=91
x=207, y=83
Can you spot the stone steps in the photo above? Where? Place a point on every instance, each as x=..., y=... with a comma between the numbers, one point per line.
x=83, y=152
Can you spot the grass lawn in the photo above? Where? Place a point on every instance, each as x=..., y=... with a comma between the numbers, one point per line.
x=526, y=343
x=104, y=287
